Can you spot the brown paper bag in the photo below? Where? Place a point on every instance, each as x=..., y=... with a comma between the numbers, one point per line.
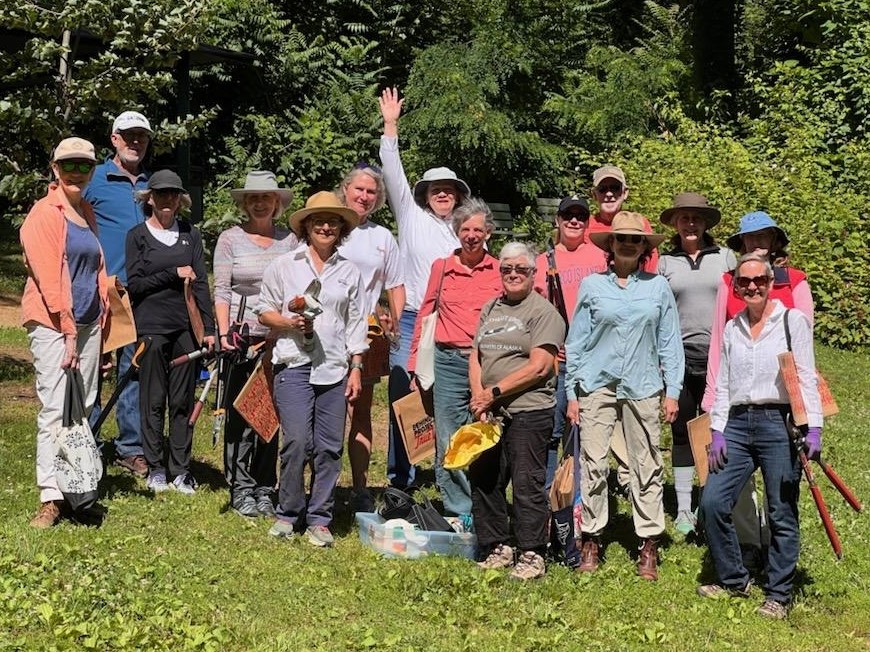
x=255, y=404
x=562, y=489
x=700, y=437
x=120, y=327
x=417, y=426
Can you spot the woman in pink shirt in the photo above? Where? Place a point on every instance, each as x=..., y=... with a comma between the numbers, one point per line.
x=467, y=279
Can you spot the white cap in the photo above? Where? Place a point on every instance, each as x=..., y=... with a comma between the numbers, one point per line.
x=131, y=120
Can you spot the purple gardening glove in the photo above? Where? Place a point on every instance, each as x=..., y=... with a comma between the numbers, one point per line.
x=813, y=443
x=717, y=453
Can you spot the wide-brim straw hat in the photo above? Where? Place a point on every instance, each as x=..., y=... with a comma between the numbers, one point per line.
x=752, y=222
x=259, y=182
x=695, y=203
x=629, y=223
x=421, y=188
x=323, y=202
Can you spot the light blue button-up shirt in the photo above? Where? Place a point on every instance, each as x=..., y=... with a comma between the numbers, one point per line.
x=627, y=337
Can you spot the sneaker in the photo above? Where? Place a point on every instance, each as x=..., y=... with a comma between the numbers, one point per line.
x=501, y=556
x=265, y=507
x=320, y=536
x=135, y=464
x=157, y=482
x=773, y=609
x=530, y=566
x=685, y=523
x=246, y=505
x=590, y=556
x=361, y=501
x=48, y=515
x=282, y=529
x=716, y=591
x=184, y=484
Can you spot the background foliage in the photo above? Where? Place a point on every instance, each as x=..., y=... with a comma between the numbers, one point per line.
x=524, y=98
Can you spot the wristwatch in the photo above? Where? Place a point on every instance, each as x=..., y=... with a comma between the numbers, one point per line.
x=496, y=391
x=356, y=365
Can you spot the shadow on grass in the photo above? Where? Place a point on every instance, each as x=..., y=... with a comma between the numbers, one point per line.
x=14, y=369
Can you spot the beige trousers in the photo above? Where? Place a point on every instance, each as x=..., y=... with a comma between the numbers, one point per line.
x=599, y=411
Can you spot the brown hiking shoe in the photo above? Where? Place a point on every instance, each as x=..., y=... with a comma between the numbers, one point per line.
x=647, y=560
x=47, y=516
x=589, y=556
x=135, y=464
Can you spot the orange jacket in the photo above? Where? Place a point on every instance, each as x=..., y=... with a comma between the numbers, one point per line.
x=47, y=298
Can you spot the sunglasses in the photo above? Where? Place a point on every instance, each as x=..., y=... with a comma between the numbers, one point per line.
x=75, y=166
x=746, y=281
x=625, y=237
x=613, y=188
x=574, y=217
x=331, y=222
x=522, y=270
x=166, y=192
x=363, y=165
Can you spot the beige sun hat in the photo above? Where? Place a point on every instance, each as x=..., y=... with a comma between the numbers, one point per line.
x=259, y=182
x=692, y=202
x=323, y=202
x=629, y=223
x=74, y=148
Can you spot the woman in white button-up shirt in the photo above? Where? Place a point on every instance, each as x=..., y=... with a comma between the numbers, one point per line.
x=750, y=427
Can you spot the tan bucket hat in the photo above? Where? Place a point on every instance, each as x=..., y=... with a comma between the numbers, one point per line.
x=323, y=202
x=629, y=223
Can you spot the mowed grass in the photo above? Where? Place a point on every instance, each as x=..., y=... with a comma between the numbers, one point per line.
x=179, y=573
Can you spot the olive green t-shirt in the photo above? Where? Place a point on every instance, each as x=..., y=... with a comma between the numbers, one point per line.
x=505, y=337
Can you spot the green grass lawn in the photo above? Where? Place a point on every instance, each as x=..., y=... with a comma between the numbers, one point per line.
x=179, y=573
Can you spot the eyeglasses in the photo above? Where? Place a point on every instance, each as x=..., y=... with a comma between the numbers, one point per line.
x=574, y=217
x=746, y=281
x=613, y=188
x=363, y=165
x=447, y=189
x=625, y=237
x=131, y=135
x=166, y=192
x=522, y=270
x=76, y=166
x=331, y=222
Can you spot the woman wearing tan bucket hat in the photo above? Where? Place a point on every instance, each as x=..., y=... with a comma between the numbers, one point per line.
x=65, y=304
x=317, y=360
x=623, y=352
x=241, y=255
x=693, y=267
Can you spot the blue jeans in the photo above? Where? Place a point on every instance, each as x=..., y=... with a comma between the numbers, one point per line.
x=559, y=421
x=756, y=436
x=312, y=422
x=400, y=472
x=451, y=397
x=129, y=439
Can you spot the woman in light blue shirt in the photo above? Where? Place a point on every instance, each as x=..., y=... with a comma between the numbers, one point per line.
x=623, y=349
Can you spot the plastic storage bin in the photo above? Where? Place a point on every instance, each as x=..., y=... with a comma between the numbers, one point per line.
x=407, y=544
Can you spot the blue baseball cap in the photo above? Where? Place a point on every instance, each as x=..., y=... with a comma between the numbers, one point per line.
x=753, y=222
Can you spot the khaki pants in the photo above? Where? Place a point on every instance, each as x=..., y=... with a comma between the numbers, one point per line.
x=600, y=410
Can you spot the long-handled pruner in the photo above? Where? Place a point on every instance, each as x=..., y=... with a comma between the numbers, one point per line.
x=141, y=347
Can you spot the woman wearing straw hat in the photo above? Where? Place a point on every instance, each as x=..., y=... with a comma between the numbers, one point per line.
x=241, y=255
x=423, y=216
x=693, y=267
x=168, y=285
x=758, y=233
x=64, y=306
x=317, y=361
x=623, y=351
x=373, y=249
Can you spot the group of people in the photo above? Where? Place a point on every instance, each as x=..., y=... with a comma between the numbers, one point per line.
x=641, y=337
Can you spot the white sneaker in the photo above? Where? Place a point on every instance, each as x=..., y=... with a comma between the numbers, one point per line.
x=184, y=484
x=157, y=482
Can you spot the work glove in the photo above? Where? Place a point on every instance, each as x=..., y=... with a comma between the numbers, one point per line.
x=717, y=453
x=813, y=443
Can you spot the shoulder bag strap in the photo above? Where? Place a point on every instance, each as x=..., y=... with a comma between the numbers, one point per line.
x=787, y=331
x=440, y=283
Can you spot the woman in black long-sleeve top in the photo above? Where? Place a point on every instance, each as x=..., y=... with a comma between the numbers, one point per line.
x=164, y=253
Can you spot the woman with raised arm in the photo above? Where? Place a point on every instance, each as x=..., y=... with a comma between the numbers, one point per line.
x=424, y=219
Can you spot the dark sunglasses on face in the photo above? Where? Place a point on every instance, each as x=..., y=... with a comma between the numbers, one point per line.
x=166, y=192
x=76, y=166
x=625, y=237
x=613, y=188
x=331, y=222
x=522, y=270
x=746, y=281
x=574, y=217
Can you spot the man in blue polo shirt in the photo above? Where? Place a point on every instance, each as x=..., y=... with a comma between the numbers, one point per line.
x=112, y=194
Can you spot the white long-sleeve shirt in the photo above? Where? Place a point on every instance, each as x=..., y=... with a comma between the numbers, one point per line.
x=340, y=330
x=423, y=237
x=749, y=371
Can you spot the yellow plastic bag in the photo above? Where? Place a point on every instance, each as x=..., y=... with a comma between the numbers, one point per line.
x=469, y=442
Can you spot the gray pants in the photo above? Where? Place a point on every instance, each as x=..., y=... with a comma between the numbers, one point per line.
x=312, y=423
